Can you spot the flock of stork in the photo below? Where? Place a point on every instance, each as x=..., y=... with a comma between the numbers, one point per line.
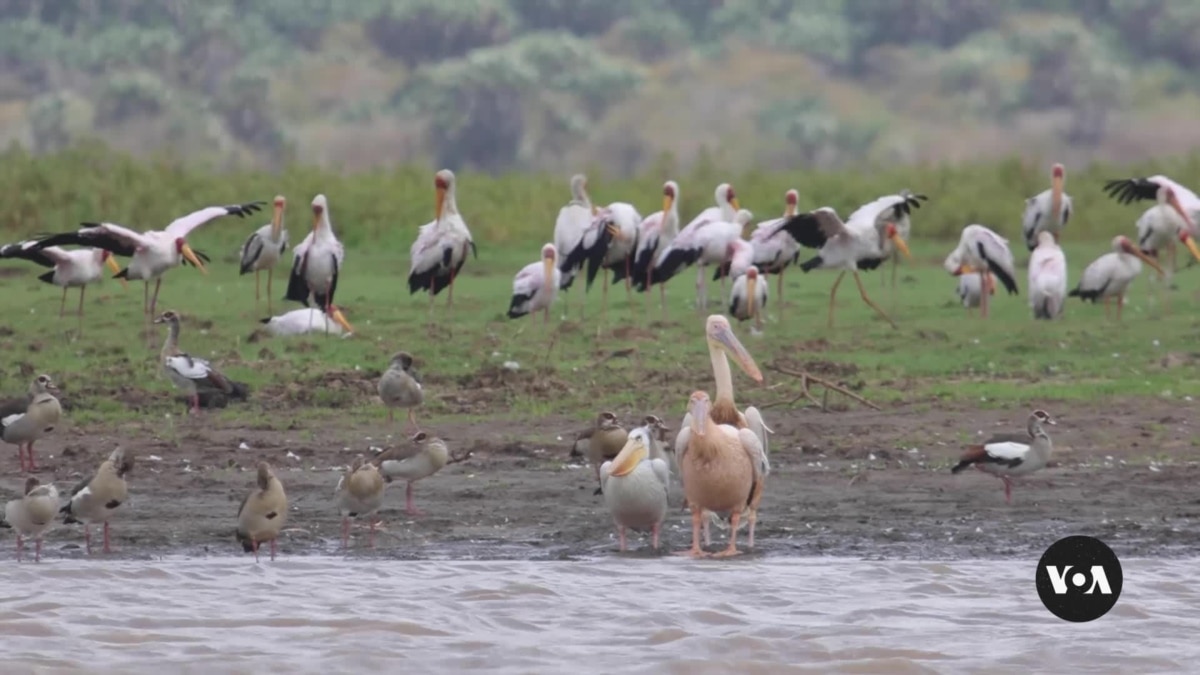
x=720, y=452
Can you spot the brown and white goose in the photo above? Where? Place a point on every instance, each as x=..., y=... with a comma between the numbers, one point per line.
x=190, y=374
x=425, y=456
x=32, y=515
x=262, y=513
x=96, y=497
x=607, y=439
x=1008, y=455
x=26, y=419
x=359, y=494
x=400, y=387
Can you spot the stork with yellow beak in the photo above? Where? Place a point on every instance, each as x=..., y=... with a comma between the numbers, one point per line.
x=748, y=298
x=263, y=250
x=1048, y=211
x=438, y=254
x=635, y=487
x=536, y=286
x=69, y=269
x=1174, y=217
x=152, y=252
x=317, y=261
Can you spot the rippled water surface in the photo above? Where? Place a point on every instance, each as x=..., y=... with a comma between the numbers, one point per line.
x=327, y=615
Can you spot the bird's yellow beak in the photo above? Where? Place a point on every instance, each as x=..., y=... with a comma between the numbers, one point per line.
x=630, y=456
x=439, y=202
x=734, y=203
x=277, y=219
x=111, y=262
x=1191, y=246
x=728, y=342
x=191, y=256
x=963, y=269
x=668, y=201
x=900, y=244
x=340, y=319
x=751, y=282
x=548, y=269
x=614, y=231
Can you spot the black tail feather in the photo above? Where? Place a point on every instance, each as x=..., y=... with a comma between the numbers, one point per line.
x=812, y=264
x=297, y=288
x=514, y=309
x=123, y=274
x=961, y=465
x=48, y=277
x=674, y=262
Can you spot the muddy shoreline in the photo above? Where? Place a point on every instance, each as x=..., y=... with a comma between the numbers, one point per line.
x=861, y=484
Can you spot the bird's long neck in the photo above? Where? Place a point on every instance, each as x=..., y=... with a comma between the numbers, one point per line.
x=1036, y=432
x=671, y=220
x=276, y=227
x=171, y=345
x=450, y=205
x=723, y=407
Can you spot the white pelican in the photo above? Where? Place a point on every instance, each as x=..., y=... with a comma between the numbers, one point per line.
x=635, y=486
x=708, y=233
x=153, y=252
x=1176, y=216
x=308, y=320
x=70, y=269
x=982, y=250
x=970, y=287
x=655, y=234
x=1048, y=211
x=1047, y=278
x=317, y=261
x=864, y=241
x=264, y=248
x=33, y=514
x=536, y=286
x=1005, y=455
x=748, y=298
x=441, y=247
x=608, y=243
x=772, y=255
x=1110, y=275
x=573, y=219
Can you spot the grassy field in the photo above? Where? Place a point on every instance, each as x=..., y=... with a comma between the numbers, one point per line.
x=636, y=362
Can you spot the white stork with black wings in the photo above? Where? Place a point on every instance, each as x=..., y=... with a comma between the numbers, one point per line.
x=317, y=261
x=263, y=249
x=573, y=219
x=70, y=269
x=440, y=251
x=1174, y=217
x=655, y=234
x=152, y=252
x=608, y=243
x=705, y=241
x=1048, y=211
x=870, y=236
x=982, y=250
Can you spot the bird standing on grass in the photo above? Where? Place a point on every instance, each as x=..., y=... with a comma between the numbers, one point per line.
x=191, y=374
x=440, y=251
x=70, y=269
x=263, y=250
x=317, y=261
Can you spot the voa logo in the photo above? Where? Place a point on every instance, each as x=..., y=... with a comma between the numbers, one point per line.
x=1099, y=580
x=1079, y=578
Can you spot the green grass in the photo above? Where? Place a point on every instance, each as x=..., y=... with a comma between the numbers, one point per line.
x=938, y=356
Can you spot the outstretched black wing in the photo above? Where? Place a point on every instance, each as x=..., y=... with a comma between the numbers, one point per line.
x=1129, y=190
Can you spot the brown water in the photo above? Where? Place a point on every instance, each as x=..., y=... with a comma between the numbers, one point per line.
x=616, y=615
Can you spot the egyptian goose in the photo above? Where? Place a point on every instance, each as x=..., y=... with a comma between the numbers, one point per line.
x=262, y=513
x=400, y=387
x=26, y=419
x=1008, y=455
x=635, y=486
x=423, y=458
x=96, y=497
x=359, y=494
x=607, y=439
x=32, y=515
x=191, y=374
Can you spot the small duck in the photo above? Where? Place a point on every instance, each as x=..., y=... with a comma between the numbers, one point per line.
x=359, y=494
x=635, y=486
x=262, y=513
x=32, y=515
x=96, y=497
x=26, y=419
x=425, y=457
x=400, y=387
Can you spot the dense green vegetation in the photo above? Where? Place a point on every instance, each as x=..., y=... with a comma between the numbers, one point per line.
x=558, y=84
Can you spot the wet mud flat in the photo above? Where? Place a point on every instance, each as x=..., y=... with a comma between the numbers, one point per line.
x=859, y=484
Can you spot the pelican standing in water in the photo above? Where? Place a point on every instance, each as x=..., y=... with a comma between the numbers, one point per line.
x=1048, y=211
x=982, y=250
x=263, y=249
x=317, y=261
x=536, y=286
x=69, y=269
x=1109, y=275
x=635, y=487
x=1047, y=278
x=153, y=252
x=440, y=251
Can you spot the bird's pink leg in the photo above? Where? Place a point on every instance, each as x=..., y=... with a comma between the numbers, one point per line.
x=87, y=537
x=1120, y=305
x=82, y=289
x=195, y=404
x=371, y=536
x=107, y=549
x=752, y=520
x=21, y=456
x=621, y=537
x=780, y=294
x=707, y=531
x=37, y=550
x=412, y=419
x=32, y=463
x=833, y=295
x=654, y=536
x=272, y=550
x=257, y=281
x=695, y=551
x=254, y=547
x=154, y=298
x=345, y=531
x=409, y=506
x=628, y=281
x=62, y=306
x=20, y=546
x=701, y=289
x=733, y=528
x=1007, y=489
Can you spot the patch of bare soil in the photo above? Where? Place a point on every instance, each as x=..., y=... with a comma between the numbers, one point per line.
x=858, y=483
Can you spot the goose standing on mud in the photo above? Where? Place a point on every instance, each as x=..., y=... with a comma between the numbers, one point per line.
x=440, y=251
x=773, y=255
x=308, y=320
x=1110, y=275
x=536, y=286
x=1047, y=278
x=573, y=219
x=69, y=269
x=1048, y=211
x=635, y=487
x=191, y=374
x=982, y=250
x=400, y=387
x=1174, y=216
x=32, y=515
x=424, y=457
x=25, y=419
x=95, y=498
x=655, y=234
x=359, y=494
x=262, y=513
x=317, y=261
x=263, y=250
x=605, y=441
x=1008, y=455
x=153, y=252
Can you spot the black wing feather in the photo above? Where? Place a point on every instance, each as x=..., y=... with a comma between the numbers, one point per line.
x=248, y=263
x=805, y=229
x=1129, y=190
x=297, y=288
x=21, y=251
x=1010, y=284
